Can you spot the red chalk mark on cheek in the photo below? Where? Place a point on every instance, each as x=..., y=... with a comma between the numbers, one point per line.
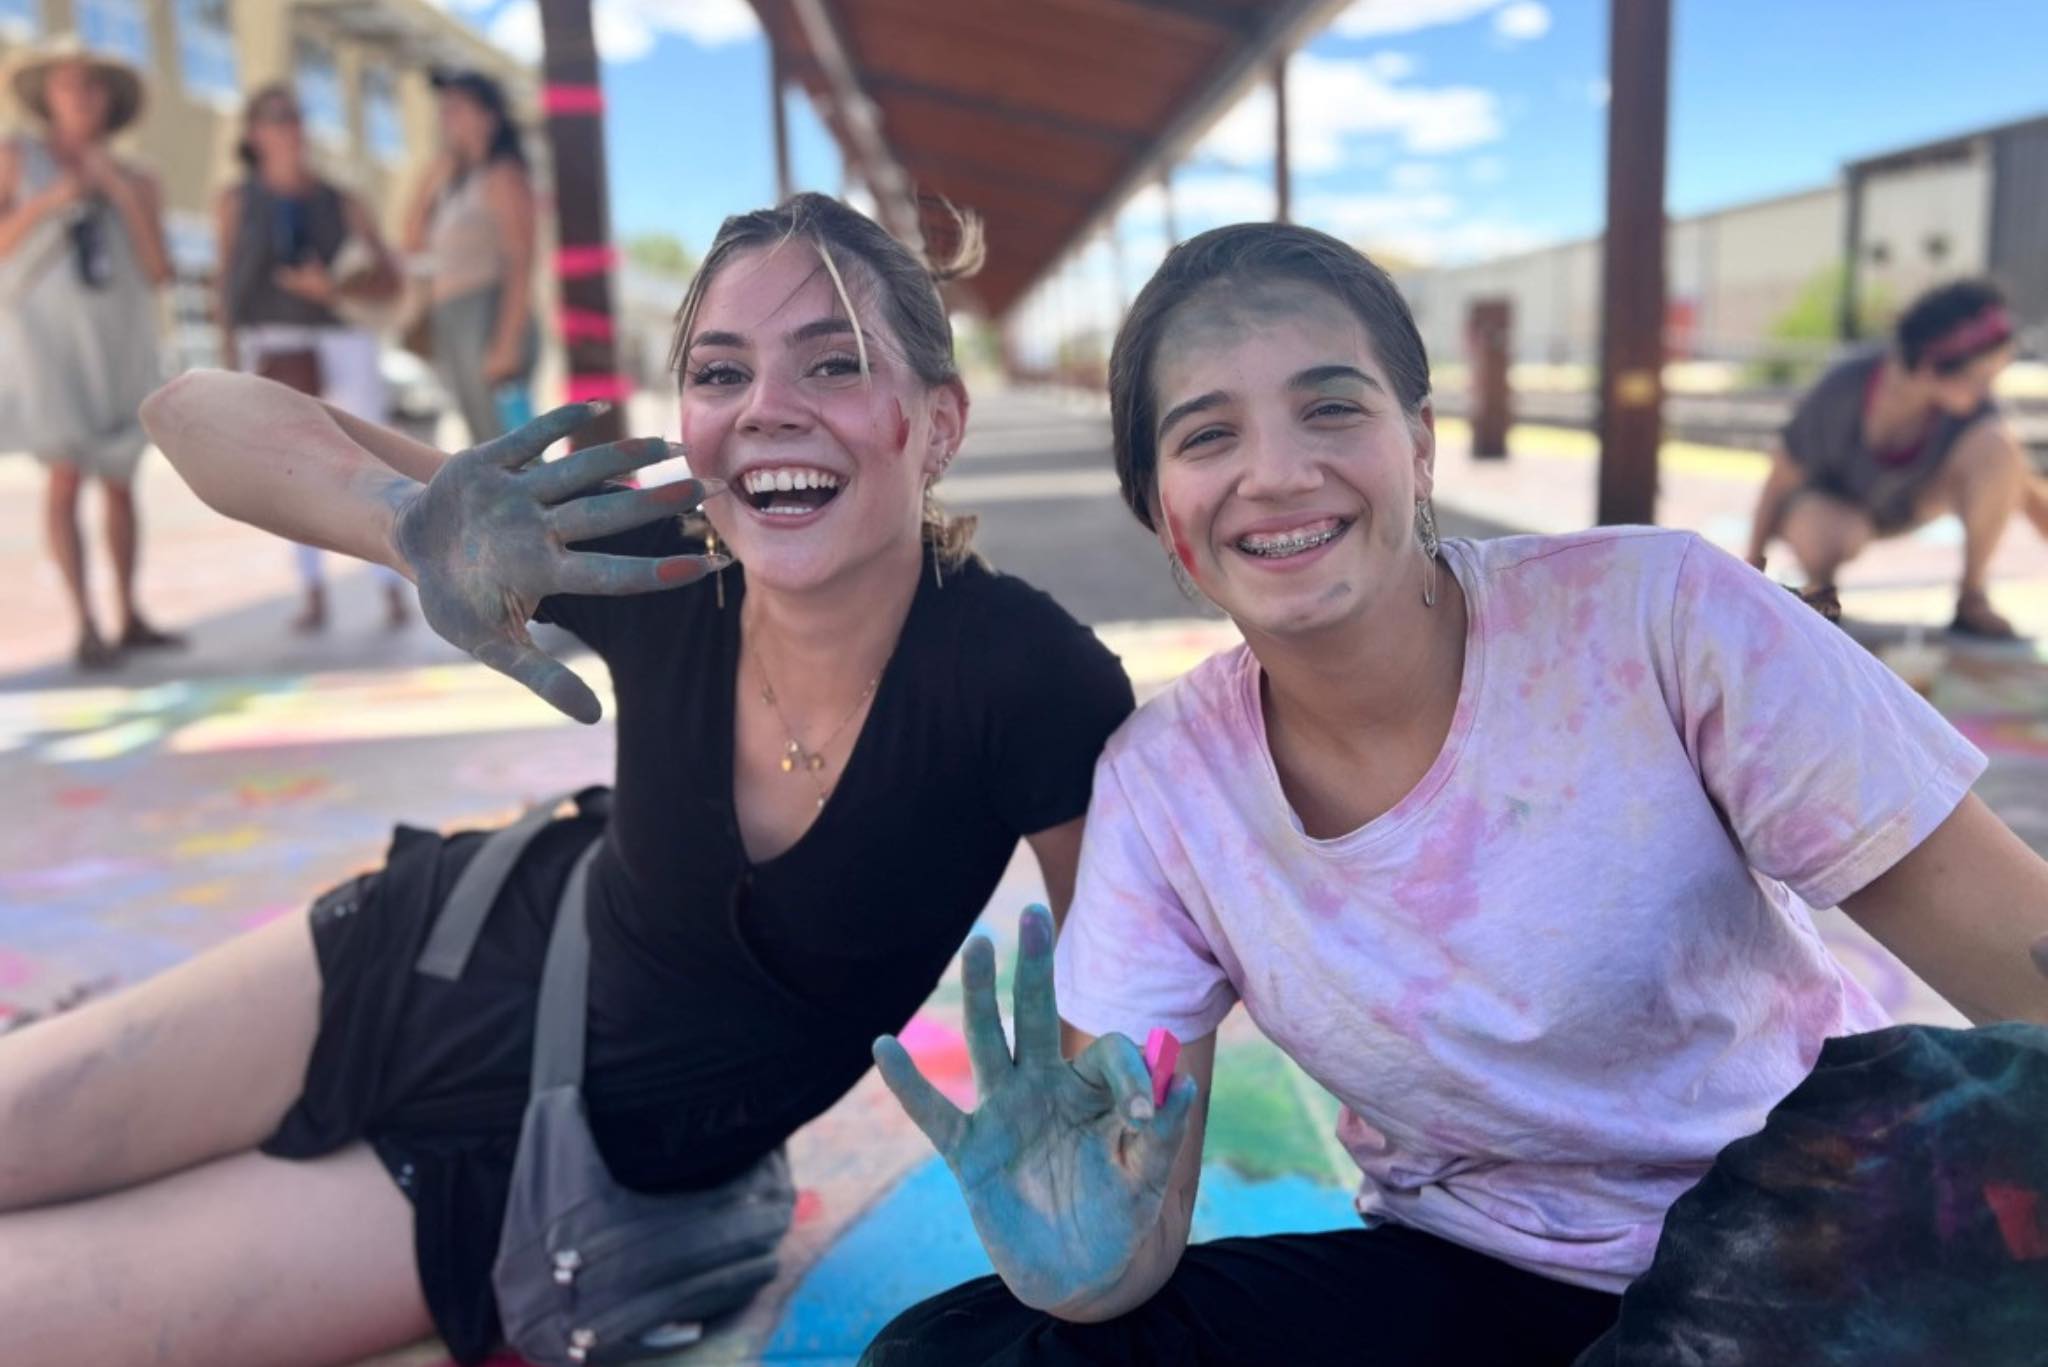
x=902, y=427
x=1180, y=541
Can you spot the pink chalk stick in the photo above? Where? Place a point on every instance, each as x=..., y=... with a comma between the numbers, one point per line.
x=1162, y=1053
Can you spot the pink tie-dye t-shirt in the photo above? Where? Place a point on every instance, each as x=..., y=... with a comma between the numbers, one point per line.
x=1576, y=960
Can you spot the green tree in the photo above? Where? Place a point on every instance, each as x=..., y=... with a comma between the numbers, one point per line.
x=1812, y=320
x=663, y=252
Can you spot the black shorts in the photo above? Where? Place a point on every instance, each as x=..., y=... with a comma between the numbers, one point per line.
x=432, y=1074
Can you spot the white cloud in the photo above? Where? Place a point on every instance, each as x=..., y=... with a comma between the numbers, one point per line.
x=1367, y=18
x=1486, y=170
x=626, y=30
x=1522, y=21
x=516, y=28
x=1365, y=216
x=1334, y=100
x=1415, y=175
x=707, y=23
x=1599, y=92
x=1424, y=225
x=1394, y=66
x=1203, y=201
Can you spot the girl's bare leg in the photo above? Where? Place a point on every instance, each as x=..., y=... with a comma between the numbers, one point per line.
x=197, y=1063
x=247, y=1261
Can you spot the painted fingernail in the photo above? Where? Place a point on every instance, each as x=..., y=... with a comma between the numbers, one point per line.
x=1139, y=1111
x=597, y=408
x=712, y=485
x=1035, y=934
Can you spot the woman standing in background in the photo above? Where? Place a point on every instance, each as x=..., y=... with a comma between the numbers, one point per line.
x=81, y=257
x=289, y=242
x=473, y=219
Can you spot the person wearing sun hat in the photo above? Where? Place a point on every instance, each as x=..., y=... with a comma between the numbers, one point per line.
x=82, y=255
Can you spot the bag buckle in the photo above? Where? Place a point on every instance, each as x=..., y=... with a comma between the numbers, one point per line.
x=581, y=1341
x=568, y=1262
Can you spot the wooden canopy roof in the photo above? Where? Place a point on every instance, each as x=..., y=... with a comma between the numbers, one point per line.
x=1040, y=115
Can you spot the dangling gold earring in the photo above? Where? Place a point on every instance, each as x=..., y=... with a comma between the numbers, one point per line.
x=1425, y=532
x=936, y=521
x=717, y=575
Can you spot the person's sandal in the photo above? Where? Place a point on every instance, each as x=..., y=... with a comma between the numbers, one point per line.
x=94, y=654
x=140, y=635
x=1977, y=618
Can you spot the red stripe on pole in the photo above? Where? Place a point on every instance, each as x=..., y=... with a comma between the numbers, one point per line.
x=588, y=388
x=572, y=99
x=575, y=263
x=586, y=325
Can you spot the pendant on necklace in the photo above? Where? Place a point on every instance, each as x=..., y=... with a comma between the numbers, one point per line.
x=821, y=802
x=814, y=762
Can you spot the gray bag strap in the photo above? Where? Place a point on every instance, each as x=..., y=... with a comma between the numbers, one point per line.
x=559, y=1028
x=469, y=903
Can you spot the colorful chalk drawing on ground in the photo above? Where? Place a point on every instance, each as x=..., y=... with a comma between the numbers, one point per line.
x=158, y=821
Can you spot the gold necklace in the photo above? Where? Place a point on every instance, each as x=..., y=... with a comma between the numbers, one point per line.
x=795, y=757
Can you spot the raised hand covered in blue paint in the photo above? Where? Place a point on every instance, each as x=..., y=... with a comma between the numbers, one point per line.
x=489, y=537
x=1065, y=1162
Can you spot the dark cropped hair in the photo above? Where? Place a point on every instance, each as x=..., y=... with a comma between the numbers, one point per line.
x=1239, y=255
x=847, y=241
x=1952, y=325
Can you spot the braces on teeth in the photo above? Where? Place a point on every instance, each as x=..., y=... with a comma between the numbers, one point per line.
x=1289, y=545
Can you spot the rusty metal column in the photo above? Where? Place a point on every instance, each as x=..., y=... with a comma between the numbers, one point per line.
x=778, y=79
x=1281, y=179
x=1632, y=265
x=573, y=97
x=1488, y=353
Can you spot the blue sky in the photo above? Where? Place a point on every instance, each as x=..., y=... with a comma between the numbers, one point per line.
x=1436, y=129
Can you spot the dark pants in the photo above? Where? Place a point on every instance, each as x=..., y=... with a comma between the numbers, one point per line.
x=1387, y=1297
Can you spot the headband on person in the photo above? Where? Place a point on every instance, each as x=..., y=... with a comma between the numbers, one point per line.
x=1992, y=327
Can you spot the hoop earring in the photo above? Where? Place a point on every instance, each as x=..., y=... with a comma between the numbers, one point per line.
x=1425, y=532
x=718, y=575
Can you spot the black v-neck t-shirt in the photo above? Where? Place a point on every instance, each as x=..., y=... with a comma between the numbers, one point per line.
x=731, y=1001
x=738, y=997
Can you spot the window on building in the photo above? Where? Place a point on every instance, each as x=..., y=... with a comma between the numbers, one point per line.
x=320, y=97
x=206, y=48
x=120, y=27
x=21, y=18
x=381, y=124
